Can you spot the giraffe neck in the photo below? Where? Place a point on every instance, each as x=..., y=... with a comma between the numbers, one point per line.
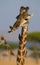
x=22, y=43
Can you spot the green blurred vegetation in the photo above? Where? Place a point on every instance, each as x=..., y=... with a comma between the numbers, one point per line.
x=33, y=48
x=36, y=51
x=12, y=45
x=33, y=36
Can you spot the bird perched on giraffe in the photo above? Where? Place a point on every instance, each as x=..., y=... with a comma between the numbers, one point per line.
x=22, y=18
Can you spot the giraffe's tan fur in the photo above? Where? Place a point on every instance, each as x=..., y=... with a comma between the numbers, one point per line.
x=22, y=21
x=22, y=43
x=22, y=49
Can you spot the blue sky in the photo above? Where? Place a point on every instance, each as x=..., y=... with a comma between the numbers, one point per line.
x=9, y=9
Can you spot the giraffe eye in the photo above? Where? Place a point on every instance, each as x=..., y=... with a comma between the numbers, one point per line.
x=26, y=19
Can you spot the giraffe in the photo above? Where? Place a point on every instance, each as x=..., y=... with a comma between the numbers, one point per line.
x=22, y=41
x=22, y=21
x=4, y=42
x=21, y=49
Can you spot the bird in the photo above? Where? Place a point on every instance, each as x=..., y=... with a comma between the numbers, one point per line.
x=22, y=18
